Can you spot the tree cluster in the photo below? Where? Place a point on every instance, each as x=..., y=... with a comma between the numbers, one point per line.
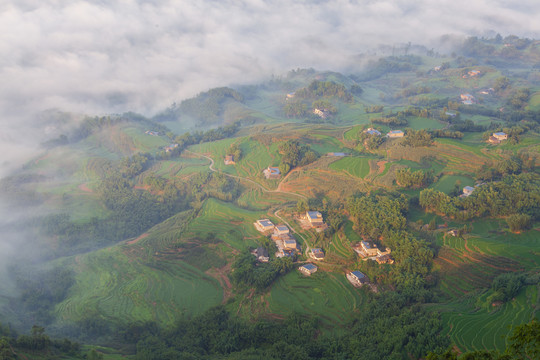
x=317, y=89
x=294, y=154
x=247, y=271
x=413, y=179
x=417, y=138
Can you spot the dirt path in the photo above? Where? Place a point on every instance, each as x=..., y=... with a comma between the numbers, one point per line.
x=211, y=167
x=84, y=187
x=137, y=239
x=381, y=165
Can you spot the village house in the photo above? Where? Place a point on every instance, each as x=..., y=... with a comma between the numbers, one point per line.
x=272, y=173
x=493, y=140
x=322, y=113
x=229, y=160
x=467, y=190
x=152, y=133
x=467, y=99
x=474, y=73
x=369, y=249
x=500, y=136
x=372, y=131
x=308, y=269
x=289, y=243
x=395, y=134
x=357, y=278
x=262, y=254
x=317, y=254
x=171, y=147
x=384, y=259
x=281, y=232
x=290, y=96
x=264, y=225
x=315, y=218
x=453, y=233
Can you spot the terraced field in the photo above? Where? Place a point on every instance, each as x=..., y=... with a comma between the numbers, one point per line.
x=327, y=295
x=469, y=265
x=474, y=329
x=227, y=222
x=353, y=166
x=446, y=182
x=123, y=288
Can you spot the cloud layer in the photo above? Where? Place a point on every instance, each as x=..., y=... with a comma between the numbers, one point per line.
x=108, y=56
x=99, y=56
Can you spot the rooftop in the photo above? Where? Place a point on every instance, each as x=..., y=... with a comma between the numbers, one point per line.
x=358, y=274
x=309, y=266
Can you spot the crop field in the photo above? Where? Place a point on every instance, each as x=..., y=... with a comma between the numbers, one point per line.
x=324, y=144
x=113, y=285
x=340, y=246
x=479, y=329
x=353, y=133
x=459, y=156
x=418, y=123
x=327, y=295
x=257, y=199
x=353, y=166
x=144, y=142
x=226, y=222
x=446, y=182
x=534, y=102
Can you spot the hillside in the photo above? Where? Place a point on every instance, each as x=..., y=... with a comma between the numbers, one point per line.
x=128, y=220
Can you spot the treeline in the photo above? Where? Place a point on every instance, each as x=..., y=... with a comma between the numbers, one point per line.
x=198, y=137
x=391, y=64
x=513, y=164
x=317, y=89
x=39, y=292
x=293, y=154
x=413, y=179
x=445, y=133
x=390, y=327
x=514, y=194
x=40, y=345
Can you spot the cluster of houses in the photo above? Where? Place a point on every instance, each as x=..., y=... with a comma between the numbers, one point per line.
x=281, y=236
x=498, y=137
x=368, y=250
x=287, y=246
x=391, y=133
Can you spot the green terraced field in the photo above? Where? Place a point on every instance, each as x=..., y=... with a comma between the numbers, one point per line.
x=354, y=166
x=324, y=144
x=120, y=286
x=418, y=123
x=229, y=223
x=473, y=329
x=329, y=296
x=446, y=182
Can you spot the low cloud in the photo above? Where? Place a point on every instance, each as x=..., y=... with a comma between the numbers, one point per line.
x=102, y=56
